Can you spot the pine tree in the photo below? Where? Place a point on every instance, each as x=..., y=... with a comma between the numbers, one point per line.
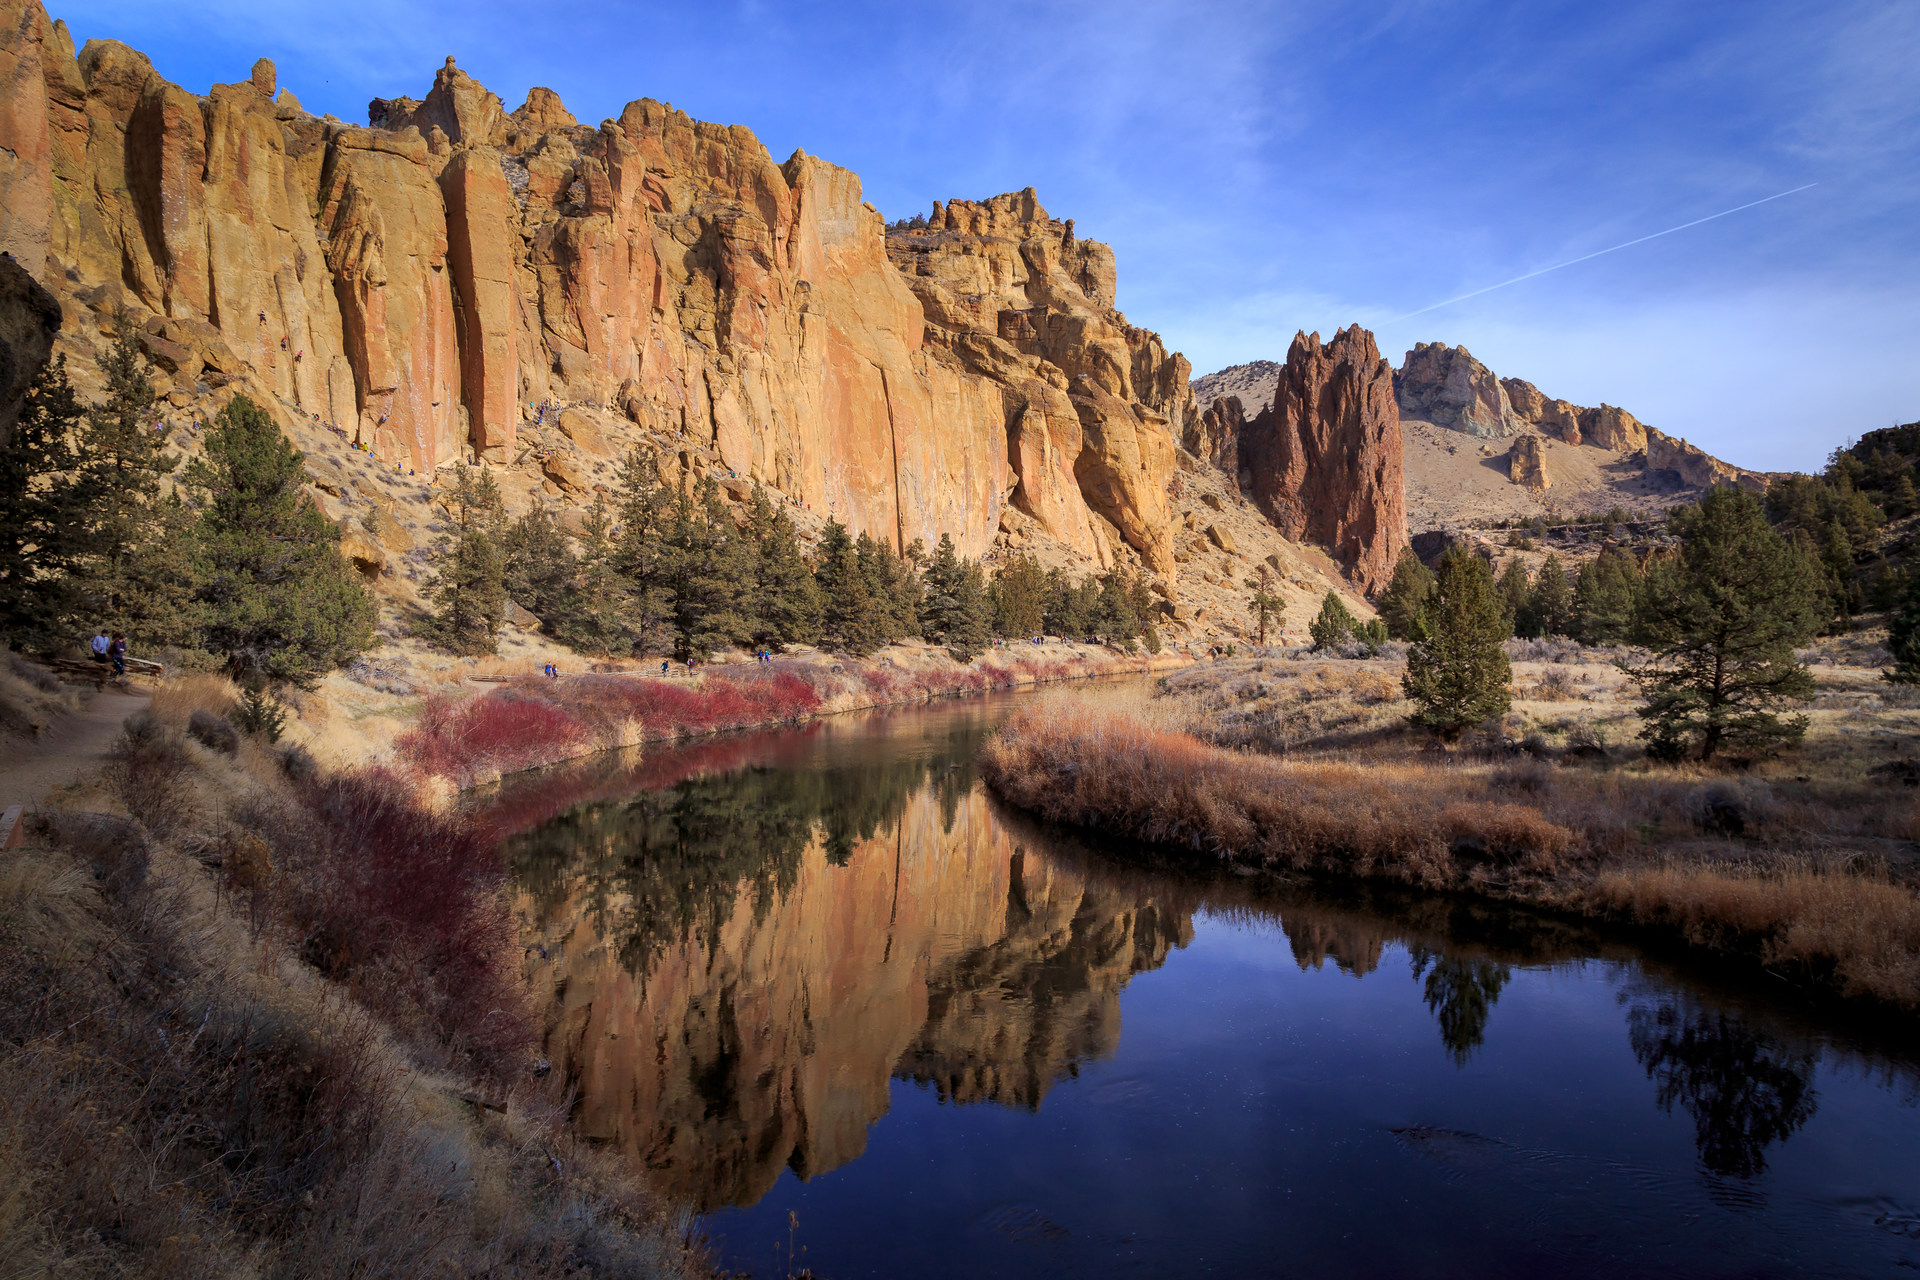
x=134, y=573
x=280, y=599
x=1516, y=600
x=1265, y=604
x=468, y=588
x=1552, y=602
x=1071, y=607
x=717, y=568
x=540, y=567
x=1458, y=672
x=1333, y=625
x=786, y=598
x=904, y=587
x=1903, y=635
x=1019, y=592
x=644, y=556
x=1406, y=596
x=971, y=622
x=1902, y=499
x=940, y=603
x=40, y=511
x=855, y=617
x=596, y=597
x=1118, y=607
x=1605, y=598
x=1723, y=619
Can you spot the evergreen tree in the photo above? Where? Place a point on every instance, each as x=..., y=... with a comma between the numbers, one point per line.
x=1334, y=624
x=1120, y=607
x=1019, y=592
x=40, y=511
x=1902, y=499
x=540, y=567
x=1723, y=618
x=940, y=602
x=856, y=618
x=1516, y=597
x=136, y=571
x=468, y=588
x=971, y=621
x=1605, y=597
x=1406, y=596
x=1551, y=607
x=1903, y=635
x=717, y=568
x=644, y=556
x=904, y=586
x=1071, y=607
x=786, y=598
x=280, y=599
x=1265, y=604
x=591, y=620
x=1458, y=672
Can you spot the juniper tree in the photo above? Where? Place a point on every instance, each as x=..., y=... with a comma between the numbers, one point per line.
x=1605, y=598
x=1072, y=608
x=1516, y=597
x=716, y=570
x=1405, y=598
x=1264, y=604
x=540, y=567
x=1903, y=635
x=856, y=617
x=953, y=608
x=1333, y=624
x=280, y=600
x=1458, y=671
x=1019, y=591
x=468, y=588
x=1723, y=618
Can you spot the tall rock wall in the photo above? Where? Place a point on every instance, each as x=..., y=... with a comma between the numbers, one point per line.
x=1326, y=457
x=426, y=283
x=1447, y=386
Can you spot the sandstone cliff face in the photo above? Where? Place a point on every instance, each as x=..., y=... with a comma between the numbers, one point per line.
x=1556, y=418
x=1326, y=456
x=425, y=283
x=936, y=950
x=29, y=320
x=1447, y=386
x=1214, y=436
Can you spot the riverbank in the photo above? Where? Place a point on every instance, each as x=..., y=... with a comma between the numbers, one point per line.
x=454, y=724
x=1811, y=874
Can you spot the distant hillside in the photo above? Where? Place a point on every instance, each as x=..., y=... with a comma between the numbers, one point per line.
x=1480, y=449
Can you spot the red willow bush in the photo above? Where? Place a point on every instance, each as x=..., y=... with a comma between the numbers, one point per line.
x=407, y=907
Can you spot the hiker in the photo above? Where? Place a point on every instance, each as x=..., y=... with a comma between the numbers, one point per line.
x=117, y=654
x=663, y=668
x=100, y=643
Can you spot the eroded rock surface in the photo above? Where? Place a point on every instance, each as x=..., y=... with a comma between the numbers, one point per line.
x=1447, y=386
x=1326, y=458
x=1527, y=463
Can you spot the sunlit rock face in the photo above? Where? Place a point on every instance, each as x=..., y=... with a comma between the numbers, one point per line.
x=721, y=1027
x=425, y=281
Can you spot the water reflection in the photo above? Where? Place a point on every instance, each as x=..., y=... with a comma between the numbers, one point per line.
x=741, y=961
x=1744, y=1090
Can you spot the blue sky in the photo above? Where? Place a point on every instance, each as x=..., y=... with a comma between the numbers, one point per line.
x=1261, y=168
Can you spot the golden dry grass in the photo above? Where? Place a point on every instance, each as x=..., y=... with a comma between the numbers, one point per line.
x=1790, y=871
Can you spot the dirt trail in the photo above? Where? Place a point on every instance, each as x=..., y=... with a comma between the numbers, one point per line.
x=29, y=769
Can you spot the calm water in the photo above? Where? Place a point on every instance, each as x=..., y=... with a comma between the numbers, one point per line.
x=819, y=985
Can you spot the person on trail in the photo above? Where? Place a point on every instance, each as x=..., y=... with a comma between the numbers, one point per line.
x=100, y=643
x=663, y=667
x=117, y=654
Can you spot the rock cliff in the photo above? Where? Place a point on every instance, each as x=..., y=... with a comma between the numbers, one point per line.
x=1446, y=385
x=428, y=283
x=1325, y=458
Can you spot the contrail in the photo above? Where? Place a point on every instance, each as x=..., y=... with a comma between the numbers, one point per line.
x=1597, y=252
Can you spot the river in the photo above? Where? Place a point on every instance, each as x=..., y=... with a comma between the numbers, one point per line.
x=826, y=991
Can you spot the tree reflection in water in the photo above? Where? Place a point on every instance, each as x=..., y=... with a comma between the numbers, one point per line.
x=1460, y=992
x=1744, y=1090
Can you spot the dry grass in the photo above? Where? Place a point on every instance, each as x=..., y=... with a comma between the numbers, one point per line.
x=187, y=1097
x=32, y=701
x=1814, y=877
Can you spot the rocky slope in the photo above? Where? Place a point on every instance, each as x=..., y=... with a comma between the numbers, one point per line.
x=1481, y=448
x=457, y=282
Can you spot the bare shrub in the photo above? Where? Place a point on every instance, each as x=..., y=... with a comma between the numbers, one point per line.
x=149, y=770
x=213, y=732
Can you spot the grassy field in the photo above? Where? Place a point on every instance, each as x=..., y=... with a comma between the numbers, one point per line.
x=1805, y=863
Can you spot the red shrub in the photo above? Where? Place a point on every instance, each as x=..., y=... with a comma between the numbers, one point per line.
x=406, y=905
x=499, y=732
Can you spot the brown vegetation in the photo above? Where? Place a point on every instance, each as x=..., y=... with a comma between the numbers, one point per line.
x=260, y=1023
x=1812, y=874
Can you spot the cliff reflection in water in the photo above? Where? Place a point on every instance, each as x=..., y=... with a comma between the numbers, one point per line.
x=739, y=964
x=741, y=960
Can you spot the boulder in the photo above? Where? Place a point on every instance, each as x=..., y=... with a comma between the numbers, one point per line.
x=363, y=552
x=1220, y=538
x=1527, y=463
x=1326, y=457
